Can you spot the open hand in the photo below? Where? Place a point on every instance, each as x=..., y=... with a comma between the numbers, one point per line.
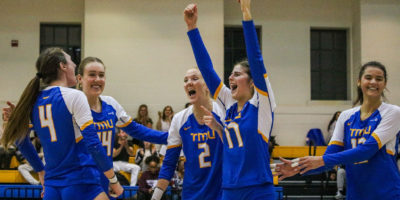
x=308, y=163
x=285, y=169
x=6, y=114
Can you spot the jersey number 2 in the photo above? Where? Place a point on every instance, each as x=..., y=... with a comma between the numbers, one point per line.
x=46, y=120
x=206, y=153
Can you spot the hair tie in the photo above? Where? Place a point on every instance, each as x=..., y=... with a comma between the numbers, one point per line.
x=39, y=75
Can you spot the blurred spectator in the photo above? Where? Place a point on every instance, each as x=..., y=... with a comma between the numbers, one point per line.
x=164, y=122
x=142, y=116
x=6, y=154
x=148, y=180
x=164, y=119
x=143, y=153
x=177, y=180
x=271, y=144
x=121, y=153
x=331, y=126
x=340, y=182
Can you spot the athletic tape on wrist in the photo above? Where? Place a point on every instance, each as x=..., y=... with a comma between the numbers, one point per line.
x=157, y=194
x=113, y=180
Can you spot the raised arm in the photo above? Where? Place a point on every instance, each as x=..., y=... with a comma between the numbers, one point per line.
x=256, y=62
x=265, y=96
x=201, y=55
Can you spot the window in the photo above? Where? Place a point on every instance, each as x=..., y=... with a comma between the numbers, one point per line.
x=235, y=48
x=66, y=36
x=328, y=64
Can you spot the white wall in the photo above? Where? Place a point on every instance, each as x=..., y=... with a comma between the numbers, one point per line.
x=20, y=20
x=380, y=40
x=146, y=50
x=286, y=49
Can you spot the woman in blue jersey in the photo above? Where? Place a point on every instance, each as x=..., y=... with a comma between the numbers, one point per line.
x=201, y=146
x=62, y=119
x=249, y=105
x=365, y=140
x=109, y=114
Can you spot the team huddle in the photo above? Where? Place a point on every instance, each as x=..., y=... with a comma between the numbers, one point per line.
x=224, y=134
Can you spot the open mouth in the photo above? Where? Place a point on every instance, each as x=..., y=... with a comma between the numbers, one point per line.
x=233, y=87
x=192, y=92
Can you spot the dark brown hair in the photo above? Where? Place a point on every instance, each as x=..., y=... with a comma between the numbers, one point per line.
x=360, y=97
x=143, y=119
x=86, y=61
x=245, y=64
x=47, y=66
x=163, y=113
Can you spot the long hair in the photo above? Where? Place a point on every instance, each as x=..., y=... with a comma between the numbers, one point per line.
x=245, y=64
x=360, y=97
x=163, y=113
x=47, y=66
x=334, y=118
x=142, y=119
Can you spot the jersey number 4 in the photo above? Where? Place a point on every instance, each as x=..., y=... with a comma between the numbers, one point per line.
x=46, y=120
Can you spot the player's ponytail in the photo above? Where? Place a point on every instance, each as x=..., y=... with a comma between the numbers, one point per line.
x=47, y=65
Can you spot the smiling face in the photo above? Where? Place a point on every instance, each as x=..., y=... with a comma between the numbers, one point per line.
x=242, y=87
x=93, y=79
x=167, y=111
x=195, y=87
x=372, y=82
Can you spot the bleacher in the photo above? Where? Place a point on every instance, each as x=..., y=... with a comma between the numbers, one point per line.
x=12, y=184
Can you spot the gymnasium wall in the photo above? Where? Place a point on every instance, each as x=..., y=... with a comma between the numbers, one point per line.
x=146, y=51
x=380, y=33
x=20, y=20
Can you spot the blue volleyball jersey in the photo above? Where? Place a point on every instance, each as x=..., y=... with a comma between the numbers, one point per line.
x=113, y=115
x=202, y=149
x=368, y=149
x=60, y=117
x=246, y=157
